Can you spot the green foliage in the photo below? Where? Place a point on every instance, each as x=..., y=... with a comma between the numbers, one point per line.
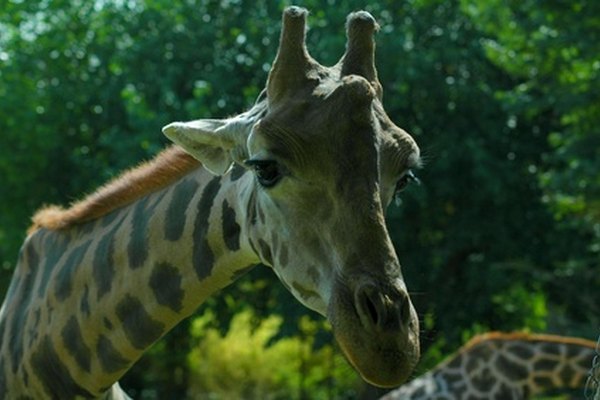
x=249, y=361
x=521, y=300
x=551, y=49
x=502, y=96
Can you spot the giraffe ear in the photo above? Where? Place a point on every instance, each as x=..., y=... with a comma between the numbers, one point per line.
x=210, y=141
x=217, y=143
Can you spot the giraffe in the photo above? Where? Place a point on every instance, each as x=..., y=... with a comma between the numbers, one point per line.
x=592, y=384
x=504, y=366
x=299, y=183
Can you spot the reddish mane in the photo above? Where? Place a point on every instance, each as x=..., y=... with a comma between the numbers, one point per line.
x=167, y=167
x=526, y=337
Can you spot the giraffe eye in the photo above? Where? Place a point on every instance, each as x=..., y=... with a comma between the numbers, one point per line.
x=267, y=172
x=402, y=183
x=405, y=180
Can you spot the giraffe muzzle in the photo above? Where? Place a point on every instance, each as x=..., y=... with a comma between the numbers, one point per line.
x=377, y=328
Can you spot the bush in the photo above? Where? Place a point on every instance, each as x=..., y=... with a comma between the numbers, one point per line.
x=250, y=361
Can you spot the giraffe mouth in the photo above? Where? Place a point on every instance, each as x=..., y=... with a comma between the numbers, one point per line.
x=384, y=365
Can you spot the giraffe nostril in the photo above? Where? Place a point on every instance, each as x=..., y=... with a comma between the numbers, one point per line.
x=377, y=309
x=370, y=306
x=371, y=310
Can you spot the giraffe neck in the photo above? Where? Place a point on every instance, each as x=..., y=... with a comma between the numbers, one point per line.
x=99, y=294
x=522, y=364
x=505, y=366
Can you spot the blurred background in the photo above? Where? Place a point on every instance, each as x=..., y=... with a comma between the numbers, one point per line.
x=502, y=96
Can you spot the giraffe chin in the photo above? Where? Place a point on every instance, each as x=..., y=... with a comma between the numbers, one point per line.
x=383, y=362
x=384, y=356
x=385, y=368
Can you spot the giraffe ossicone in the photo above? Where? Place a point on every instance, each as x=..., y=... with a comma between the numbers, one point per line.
x=300, y=182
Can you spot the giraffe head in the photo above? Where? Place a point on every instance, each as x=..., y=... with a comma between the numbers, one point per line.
x=326, y=161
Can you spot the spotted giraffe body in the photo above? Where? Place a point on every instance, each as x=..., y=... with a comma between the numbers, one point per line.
x=504, y=366
x=299, y=183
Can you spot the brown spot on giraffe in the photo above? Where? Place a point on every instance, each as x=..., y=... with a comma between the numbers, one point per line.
x=175, y=218
x=73, y=342
x=231, y=228
x=110, y=359
x=165, y=281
